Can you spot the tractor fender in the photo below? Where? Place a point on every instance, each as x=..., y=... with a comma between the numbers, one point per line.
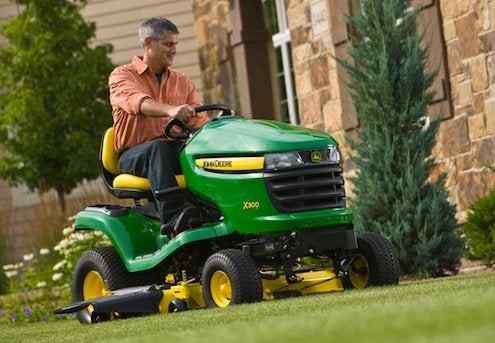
x=137, y=238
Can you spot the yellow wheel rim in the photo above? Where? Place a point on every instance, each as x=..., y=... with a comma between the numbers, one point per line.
x=359, y=273
x=221, y=289
x=94, y=286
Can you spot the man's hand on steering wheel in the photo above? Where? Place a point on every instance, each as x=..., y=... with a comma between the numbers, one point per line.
x=177, y=127
x=185, y=113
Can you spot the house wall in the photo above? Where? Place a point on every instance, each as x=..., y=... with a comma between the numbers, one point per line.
x=29, y=221
x=213, y=30
x=467, y=141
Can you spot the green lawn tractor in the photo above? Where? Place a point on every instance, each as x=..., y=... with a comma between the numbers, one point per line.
x=270, y=221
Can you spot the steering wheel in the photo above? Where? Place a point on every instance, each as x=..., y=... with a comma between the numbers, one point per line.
x=186, y=131
x=225, y=110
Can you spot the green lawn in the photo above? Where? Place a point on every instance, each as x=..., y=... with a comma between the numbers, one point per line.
x=457, y=309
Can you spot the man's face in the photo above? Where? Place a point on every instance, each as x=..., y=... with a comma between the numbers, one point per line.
x=164, y=48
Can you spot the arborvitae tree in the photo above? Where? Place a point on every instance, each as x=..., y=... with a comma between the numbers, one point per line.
x=53, y=97
x=394, y=195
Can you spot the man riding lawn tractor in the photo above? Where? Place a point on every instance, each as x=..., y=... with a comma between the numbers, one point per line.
x=145, y=95
x=242, y=210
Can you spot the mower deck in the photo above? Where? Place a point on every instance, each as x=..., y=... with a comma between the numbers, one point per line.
x=189, y=295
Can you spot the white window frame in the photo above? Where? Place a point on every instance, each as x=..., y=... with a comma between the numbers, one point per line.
x=282, y=40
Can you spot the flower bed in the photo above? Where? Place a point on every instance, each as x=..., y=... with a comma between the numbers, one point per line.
x=41, y=281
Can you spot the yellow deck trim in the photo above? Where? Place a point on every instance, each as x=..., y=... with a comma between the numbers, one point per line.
x=322, y=281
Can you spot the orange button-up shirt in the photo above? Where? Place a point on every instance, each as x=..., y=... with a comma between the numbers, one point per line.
x=133, y=83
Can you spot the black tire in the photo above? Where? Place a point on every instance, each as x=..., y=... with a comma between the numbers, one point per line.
x=381, y=260
x=107, y=263
x=242, y=273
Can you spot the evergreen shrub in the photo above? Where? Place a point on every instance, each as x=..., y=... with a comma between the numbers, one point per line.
x=479, y=230
x=394, y=192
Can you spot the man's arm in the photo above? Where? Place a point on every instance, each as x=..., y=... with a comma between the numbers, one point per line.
x=125, y=93
x=151, y=108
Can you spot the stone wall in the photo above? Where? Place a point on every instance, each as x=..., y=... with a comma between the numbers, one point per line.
x=467, y=141
x=313, y=66
x=213, y=29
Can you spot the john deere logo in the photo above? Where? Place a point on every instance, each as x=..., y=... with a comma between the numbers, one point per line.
x=218, y=164
x=315, y=156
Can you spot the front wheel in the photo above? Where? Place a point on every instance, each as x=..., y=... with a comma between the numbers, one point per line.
x=374, y=264
x=97, y=273
x=230, y=277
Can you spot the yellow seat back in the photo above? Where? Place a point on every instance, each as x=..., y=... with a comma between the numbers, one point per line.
x=109, y=156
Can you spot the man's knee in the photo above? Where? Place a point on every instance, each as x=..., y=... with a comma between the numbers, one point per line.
x=163, y=149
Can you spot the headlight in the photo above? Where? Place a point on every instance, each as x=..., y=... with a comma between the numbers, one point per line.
x=334, y=154
x=283, y=161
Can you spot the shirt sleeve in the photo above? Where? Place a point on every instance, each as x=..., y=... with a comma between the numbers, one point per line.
x=193, y=100
x=125, y=92
x=192, y=95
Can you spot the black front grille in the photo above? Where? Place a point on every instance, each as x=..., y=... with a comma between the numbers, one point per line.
x=309, y=188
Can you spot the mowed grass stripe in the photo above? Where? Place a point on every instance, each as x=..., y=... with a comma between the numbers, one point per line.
x=460, y=309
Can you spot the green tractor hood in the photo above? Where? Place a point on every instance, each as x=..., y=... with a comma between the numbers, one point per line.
x=240, y=136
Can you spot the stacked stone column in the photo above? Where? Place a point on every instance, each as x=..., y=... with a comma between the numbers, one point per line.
x=467, y=141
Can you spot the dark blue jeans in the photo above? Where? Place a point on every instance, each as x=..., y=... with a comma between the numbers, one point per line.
x=157, y=160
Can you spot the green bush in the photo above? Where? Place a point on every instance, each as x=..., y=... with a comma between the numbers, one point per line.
x=479, y=230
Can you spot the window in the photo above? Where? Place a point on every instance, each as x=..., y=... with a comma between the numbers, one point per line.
x=276, y=21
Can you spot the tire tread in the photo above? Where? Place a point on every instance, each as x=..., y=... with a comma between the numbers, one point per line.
x=384, y=264
x=245, y=278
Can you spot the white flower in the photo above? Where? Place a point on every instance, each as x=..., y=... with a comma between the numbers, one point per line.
x=62, y=244
x=67, y=231
x=59, y=265
x=79, y=237
x=28, y=257
x=8, y=267
x=18, y=265
x=11, y=273
x=41, y=284
x=44, y=251
x=57, y=276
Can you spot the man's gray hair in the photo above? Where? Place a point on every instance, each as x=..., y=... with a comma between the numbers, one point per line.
x=154, y=28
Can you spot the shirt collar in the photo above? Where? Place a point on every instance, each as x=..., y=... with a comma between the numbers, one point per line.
x=141, y=67
x=137, y=62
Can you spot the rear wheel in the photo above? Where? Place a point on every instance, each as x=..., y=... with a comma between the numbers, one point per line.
x=375, y=263
x=97, y=273
x=230, y=277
